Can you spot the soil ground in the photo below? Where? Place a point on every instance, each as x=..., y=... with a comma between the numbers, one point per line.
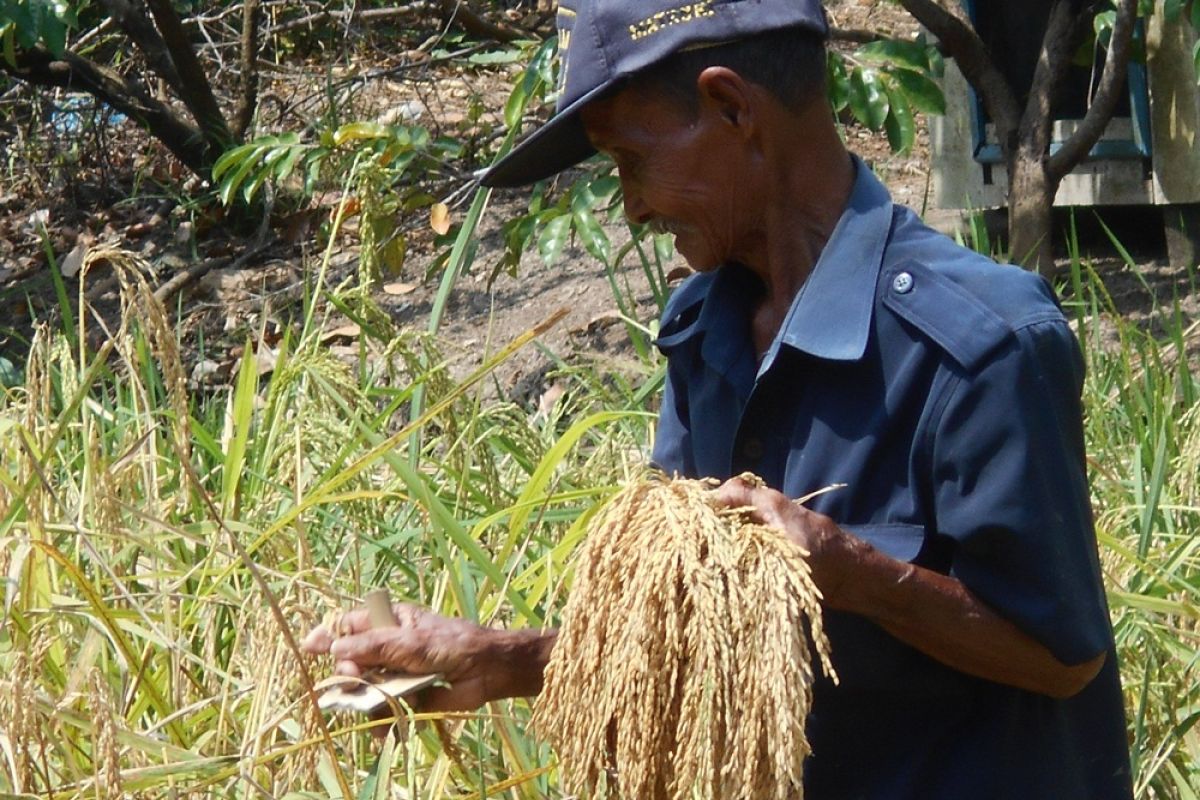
x=110, y=197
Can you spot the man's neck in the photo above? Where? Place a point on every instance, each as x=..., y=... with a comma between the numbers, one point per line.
x=805, y=198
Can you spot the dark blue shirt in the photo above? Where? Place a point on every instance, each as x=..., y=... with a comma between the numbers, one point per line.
x=943, y=390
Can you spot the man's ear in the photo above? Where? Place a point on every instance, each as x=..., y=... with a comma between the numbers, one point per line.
x=728, y=94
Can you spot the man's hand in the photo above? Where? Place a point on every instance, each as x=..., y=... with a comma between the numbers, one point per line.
x=831, y=551
x=479, y=664
x=934, y=613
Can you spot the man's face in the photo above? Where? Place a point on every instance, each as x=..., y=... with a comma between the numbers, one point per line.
x=679, y=173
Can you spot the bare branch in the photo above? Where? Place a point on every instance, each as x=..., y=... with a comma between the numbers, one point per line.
x=1054, y=59
x=1108, y=93
x=961, y=42
x=461, y=13
x=248, y=102
x=38, y=66
x=366, y=14
x=194, y=89
x=137, y=26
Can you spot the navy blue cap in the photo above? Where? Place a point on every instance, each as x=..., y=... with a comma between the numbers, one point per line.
x=602, y=42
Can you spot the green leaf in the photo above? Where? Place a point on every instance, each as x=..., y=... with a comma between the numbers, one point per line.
x=605, y=187
x=837, y=81
x=664, y=247
x=921, y=92
x=8, y=35
x=284, y=168
x=592, y=235
x=553, y=239
x=1196, y=15
x=231, y=158
x=232, y=182
x=10, y=376
x=515, y=106
x=54, y=34
x=1172, y=9
x=900, y=125
x=910, y=55
x=868, y=99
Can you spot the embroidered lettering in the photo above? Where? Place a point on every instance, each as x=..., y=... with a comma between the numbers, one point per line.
x=672, y=16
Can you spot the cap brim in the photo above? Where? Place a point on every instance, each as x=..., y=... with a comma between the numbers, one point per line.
x=558, y=144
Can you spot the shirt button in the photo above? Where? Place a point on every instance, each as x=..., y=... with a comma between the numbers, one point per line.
x=752, y=449
x=902, y=283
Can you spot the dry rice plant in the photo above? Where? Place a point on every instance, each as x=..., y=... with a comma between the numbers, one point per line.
x=683, y=661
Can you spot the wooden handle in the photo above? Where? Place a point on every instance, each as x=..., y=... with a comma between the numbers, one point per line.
x=379, y=609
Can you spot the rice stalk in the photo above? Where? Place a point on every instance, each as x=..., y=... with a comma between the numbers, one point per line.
x=138, y=302
x=682, y=666
x=24, y=725
x=106, y=757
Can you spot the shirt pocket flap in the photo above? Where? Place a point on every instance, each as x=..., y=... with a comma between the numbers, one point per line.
x=897, y=540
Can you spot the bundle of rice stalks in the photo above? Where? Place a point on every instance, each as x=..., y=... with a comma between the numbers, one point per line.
x=683, y=663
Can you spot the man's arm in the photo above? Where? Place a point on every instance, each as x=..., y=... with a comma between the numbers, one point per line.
x=479, y=664
x=933, y=613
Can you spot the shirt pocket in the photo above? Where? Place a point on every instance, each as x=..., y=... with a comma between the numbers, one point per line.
x=898, y=540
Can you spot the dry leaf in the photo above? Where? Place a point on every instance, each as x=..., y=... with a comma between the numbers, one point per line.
x=348, y=331
x=72, y=261
x=399, y=288
x=439, y=218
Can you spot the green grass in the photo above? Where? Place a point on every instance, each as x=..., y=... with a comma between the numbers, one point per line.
x=152, y=542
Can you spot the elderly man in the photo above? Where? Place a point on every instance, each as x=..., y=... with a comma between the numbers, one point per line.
x=830, y=337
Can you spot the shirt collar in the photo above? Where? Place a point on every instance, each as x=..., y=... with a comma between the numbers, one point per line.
x=831, y=315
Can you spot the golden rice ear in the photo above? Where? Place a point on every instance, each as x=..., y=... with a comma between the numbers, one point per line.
x=683, y=664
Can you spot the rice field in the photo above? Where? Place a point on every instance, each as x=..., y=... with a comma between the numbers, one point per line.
x=162, y=550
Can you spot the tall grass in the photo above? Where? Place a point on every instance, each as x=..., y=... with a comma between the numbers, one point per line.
x=152, y=543
x=1143, y=440
x=153, y=539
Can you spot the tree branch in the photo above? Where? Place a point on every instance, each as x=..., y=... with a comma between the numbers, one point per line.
x=361, y=15
x=141, y=31
x=961, y=42
x=38, y=66
x=195, y=90
x=248, y=102
x=1108, y=93
x=460, y=12
x=1054, y=59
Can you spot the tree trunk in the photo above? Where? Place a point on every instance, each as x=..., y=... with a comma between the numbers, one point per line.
x=248, y=101
x=1030, y=205
x=1024, y=134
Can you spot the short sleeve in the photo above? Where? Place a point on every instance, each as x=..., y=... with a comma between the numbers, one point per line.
x=1010, y=489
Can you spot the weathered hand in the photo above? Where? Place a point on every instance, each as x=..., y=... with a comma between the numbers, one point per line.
x=831, y=551
x=469, y=656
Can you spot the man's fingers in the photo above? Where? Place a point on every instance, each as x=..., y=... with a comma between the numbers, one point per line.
x=357, y=621
x=378, y=647
x=734, y=492
x=348, y=669
x=737, y=493
x=317, y=641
